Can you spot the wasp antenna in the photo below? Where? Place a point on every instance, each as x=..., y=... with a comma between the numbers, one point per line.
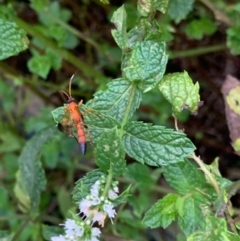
x=63, y=92
x=70, y=86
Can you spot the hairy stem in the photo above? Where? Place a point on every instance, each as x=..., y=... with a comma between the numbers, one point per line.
x=206, y=172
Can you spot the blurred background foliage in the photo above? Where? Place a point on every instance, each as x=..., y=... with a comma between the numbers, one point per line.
x=74, y=37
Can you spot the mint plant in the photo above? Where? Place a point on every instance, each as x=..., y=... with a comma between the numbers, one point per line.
x=200, y=200
x=200, y=193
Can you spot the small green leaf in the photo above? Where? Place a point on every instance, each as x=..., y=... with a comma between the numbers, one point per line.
x=134, y=35
x=155, y=145
x=40, y=65
x=58, y=33
x=10, y=142
x=161, y=5
x=39, y=5
x=147, y=64
x=179, y=9
x=162, y=213
x=52, y=12
x=83, y=185
x=180, y=91
x=184, y=177
x=190, y=215
x=198, y=28
x=13, y=39
x=115, y=99
x=56, y=60
x=31, y=177
x=109, y=152
x=58, y=114
x=7, y=12
x=216, y=229
x=233, y=39
x=145, y=7
x=119, y=19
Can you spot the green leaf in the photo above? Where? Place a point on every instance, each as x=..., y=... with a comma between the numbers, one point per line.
x=147, y=64
x=54, y=11
x=145, y=7
x=83, y=185
x=40, y=65
x=180, y=91
x=139, y=173
x=179, y=9
x=119, y=19
x=58, y=33
x=162, y=213
x=190, y=214
x=233, y=39
x=30, y=177
x=56, y=60
x=109, y=152
x=9, y=140
x=13, y=39
x=184, y=177
x=97, y=122
x=155, y=145
x=161, y=5
x=115, y=99
x=216, y=229
x=134, y=35
x=7, y=12
x=39, y=5
x=197, y=28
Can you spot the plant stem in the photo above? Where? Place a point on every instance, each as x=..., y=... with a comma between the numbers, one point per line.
x=73, y=30
x=206, y=172
x=219, y=15
x=108, y=183
x=197, y=51
x=129, y=106
x=20, y=229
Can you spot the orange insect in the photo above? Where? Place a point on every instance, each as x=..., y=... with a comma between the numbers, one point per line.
x=74, y=118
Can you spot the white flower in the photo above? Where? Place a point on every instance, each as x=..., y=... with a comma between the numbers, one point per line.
x=95, y=201
x=115, y=189
x=84, y=206
x=112, y=195
x=108, y=208
x=95, y=233
x=58, y=238
x=73, y=229
x=70, y=223
x=100, y=218
x=95, y=189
